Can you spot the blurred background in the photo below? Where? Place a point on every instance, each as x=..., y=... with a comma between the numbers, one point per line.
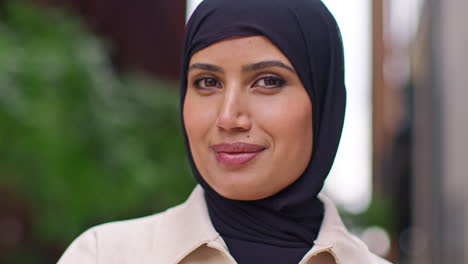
x=90, y=130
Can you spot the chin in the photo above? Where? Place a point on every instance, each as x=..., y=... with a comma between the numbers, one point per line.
x=243, y=191
x=245, y=196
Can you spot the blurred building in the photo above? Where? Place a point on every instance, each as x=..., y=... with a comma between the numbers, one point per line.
x=440, y=155
x=421, y=124
x=142, y=34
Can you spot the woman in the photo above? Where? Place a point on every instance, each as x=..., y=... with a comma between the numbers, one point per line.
x=263, y=99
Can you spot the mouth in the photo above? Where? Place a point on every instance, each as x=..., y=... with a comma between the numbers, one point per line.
x=236, y=154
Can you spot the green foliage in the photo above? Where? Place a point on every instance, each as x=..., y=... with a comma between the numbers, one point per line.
x=380, y=213
x=81, y=145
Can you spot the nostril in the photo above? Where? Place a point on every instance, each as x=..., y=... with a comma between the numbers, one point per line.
x=234, y=123
x=233, y=115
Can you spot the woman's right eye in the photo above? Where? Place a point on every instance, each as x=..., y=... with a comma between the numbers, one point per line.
x=207, y=83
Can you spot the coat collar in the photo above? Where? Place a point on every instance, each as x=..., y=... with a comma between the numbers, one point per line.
x=335, y=239
x=186, y=227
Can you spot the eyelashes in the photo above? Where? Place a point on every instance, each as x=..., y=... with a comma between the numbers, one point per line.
x=270, y=82
x=206, y=83
x=266, y=82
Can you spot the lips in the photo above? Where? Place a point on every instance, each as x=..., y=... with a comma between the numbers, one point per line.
x=236, y=154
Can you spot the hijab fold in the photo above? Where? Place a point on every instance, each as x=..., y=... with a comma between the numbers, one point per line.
x=280, y=228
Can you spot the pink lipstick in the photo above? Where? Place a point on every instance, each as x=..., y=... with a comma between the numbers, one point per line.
x=236, y=154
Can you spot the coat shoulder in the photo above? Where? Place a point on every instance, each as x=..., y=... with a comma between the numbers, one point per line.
x=117, y=242
x=378, y=260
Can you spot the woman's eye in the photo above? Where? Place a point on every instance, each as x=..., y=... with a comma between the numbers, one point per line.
x=206, y=83
x=270, y=82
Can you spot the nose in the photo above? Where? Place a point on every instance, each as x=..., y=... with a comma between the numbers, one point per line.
x=233, y=115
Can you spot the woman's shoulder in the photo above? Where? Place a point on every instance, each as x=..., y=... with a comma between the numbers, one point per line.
x=335, y=237
x=111, y=238
x=122, y=241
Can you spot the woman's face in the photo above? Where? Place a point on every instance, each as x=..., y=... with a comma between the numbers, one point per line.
x=248, y=118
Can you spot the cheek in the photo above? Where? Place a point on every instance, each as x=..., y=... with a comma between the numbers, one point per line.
x=289, y=124
x=288, y=121
x=198, y=121
x=197, y=117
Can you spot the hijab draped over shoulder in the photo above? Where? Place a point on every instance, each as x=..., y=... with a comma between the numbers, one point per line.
x=280, y=228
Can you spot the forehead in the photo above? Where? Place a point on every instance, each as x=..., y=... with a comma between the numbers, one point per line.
x=240, y=50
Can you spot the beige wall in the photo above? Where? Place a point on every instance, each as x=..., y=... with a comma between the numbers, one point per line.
x=453, y=47
x=441, y=134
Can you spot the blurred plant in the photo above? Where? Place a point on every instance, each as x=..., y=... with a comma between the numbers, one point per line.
x=380, y=213
x=80, y=145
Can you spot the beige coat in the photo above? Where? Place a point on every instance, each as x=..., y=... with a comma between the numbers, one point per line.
x=184, y=234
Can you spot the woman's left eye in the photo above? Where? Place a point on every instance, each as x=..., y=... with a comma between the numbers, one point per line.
x=270, y=82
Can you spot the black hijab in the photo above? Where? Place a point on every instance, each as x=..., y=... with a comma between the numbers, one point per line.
x=282, y=227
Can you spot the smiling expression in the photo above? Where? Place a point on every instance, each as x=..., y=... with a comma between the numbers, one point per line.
x=248, y=118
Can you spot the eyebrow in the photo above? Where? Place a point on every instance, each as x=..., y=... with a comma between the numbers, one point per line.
x=206, y=67
x=266, y=64
x=246, y=68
